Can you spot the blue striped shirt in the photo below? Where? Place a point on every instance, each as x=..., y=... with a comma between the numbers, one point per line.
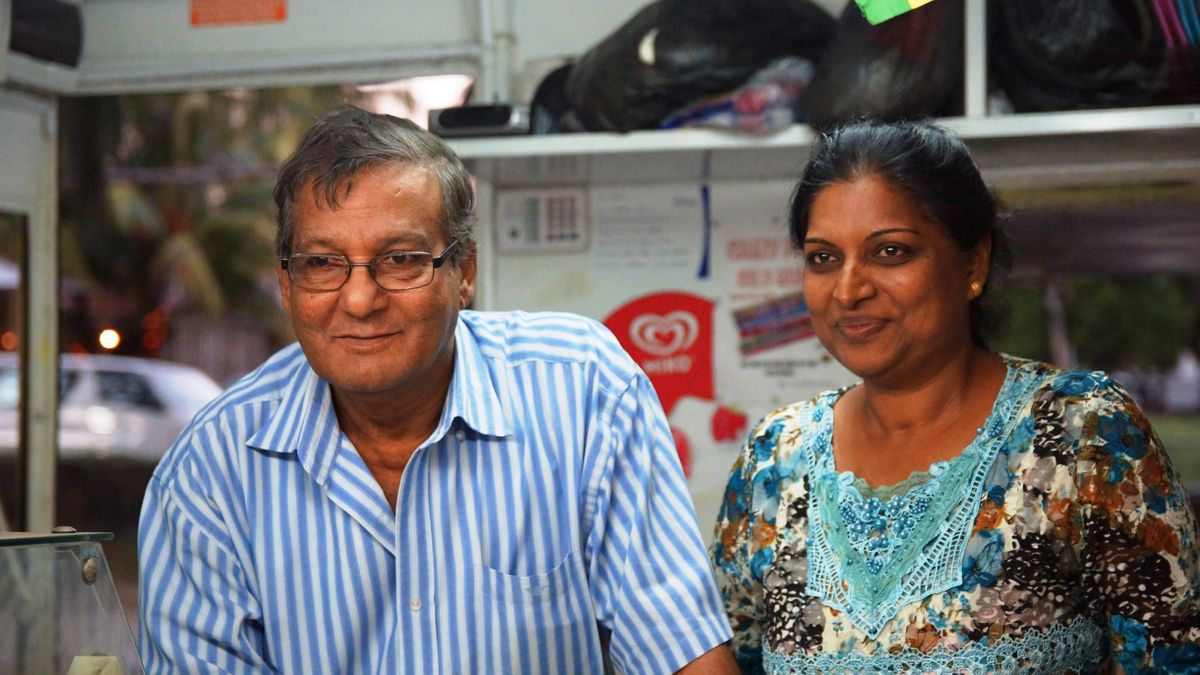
x=549, y=500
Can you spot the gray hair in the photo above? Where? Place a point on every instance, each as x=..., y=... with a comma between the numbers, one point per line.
x=350, y=139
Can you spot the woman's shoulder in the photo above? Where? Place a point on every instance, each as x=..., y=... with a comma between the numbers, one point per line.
x=799, y=418
x=1075, y=387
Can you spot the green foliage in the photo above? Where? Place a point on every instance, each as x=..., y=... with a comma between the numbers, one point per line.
x=1126, y=321
x=1113, y=322
x=171, y=193
x=1024, y=328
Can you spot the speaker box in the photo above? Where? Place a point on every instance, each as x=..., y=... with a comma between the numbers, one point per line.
x=47, y=30
x=494, y=119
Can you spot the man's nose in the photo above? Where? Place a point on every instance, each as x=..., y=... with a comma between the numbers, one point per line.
x=361, y=295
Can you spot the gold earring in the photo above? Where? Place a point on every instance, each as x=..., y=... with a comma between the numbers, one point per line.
x=976, y=289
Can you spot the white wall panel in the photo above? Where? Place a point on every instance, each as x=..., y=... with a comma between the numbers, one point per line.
x=140, y=45
x=21, y=141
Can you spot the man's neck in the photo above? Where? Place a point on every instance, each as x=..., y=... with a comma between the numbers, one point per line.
x=384, y=419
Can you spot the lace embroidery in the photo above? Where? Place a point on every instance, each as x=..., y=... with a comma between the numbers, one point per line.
x=885, y=492
x=1078, y=646
x=870, y=557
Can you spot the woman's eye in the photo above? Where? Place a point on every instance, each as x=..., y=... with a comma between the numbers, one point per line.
x=818, y=258
x=892, y=251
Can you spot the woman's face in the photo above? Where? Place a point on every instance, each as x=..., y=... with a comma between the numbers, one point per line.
x=888, y=289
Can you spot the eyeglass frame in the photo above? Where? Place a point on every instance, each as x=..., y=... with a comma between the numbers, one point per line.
x=437, y=262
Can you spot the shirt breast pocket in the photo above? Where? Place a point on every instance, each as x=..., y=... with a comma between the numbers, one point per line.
x=541, y=622
x=534, y=590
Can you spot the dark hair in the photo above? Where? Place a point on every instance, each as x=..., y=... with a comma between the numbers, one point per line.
x=931, y=165
x=350, y=139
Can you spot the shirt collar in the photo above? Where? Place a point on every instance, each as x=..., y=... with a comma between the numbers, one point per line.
x=472, y=396
x=305, y=422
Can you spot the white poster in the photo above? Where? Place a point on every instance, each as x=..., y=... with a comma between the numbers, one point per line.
x=702, y=288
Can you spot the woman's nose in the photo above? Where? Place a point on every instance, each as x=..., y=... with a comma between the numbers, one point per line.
x=853, y=285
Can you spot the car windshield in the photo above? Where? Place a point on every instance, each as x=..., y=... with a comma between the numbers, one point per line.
x=10, y=386
x=184, y=390
x=10, y=389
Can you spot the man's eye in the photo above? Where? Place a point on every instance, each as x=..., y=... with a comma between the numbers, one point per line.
x=399, y=259
x=319, y=261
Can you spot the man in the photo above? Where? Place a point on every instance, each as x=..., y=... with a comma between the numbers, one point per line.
x=416, y=487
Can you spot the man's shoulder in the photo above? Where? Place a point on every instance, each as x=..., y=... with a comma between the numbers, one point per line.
x=240, y=407
x=546, y=336
x=266, y=383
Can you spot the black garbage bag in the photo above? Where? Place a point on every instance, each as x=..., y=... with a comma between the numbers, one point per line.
x=1074, y=54
x=909, y=66
x=550, y=111
x=673, y=52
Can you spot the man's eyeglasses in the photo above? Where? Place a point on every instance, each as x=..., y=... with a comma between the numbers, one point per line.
x=393, y=271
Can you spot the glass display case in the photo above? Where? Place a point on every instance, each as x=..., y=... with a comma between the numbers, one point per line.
x=59, y=607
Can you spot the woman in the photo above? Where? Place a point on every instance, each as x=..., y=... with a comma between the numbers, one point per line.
x=958, y=510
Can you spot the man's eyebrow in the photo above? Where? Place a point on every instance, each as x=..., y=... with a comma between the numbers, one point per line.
x=405, y=241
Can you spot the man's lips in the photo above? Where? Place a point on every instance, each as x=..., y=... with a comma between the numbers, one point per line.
x=363, y=339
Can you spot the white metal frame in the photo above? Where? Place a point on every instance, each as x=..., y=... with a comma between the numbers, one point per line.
x=40, y=405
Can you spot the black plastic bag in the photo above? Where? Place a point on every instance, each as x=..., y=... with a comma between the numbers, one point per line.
x=550, y=111
x=673, y=52
x=909, y=66
x=1074, y=54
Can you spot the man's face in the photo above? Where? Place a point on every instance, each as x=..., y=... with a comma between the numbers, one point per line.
x=368, y=342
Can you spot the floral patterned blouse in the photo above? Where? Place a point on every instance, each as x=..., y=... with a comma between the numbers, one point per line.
x=1059, y=541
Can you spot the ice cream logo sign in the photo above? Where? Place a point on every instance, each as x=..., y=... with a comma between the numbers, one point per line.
x=666, y=337
x=670, y=336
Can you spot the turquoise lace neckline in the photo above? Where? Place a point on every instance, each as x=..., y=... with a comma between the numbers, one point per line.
x=872, y=554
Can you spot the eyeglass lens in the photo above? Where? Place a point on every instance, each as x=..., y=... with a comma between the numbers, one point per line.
x=393, y=271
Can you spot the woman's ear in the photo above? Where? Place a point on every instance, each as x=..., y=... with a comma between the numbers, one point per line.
x=979, y=263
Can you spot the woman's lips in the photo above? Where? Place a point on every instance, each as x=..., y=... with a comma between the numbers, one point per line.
x=859, y=329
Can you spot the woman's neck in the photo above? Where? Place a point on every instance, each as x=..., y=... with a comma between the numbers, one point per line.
x=883, y=432
x=933, y=398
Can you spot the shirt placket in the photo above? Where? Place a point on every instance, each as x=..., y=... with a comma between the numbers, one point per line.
x=417, y=634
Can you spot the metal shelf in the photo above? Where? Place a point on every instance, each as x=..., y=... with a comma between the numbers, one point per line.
x=1014, y=150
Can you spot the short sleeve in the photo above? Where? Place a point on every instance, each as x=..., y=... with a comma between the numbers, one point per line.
x=1141, y=559
x=650, y=578
x=743, y=541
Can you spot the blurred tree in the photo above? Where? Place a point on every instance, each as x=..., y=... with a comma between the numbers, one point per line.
x=165, y=198
x=1119, y=321
x=1024, y=329
x=1113, y=322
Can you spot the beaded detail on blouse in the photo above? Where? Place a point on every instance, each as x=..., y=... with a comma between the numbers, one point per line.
x=869, y=557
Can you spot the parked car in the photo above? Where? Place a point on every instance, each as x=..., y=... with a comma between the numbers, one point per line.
x=112, y=406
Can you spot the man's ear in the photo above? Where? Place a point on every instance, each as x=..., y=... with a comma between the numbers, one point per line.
x=285, y=288
x=466, y=282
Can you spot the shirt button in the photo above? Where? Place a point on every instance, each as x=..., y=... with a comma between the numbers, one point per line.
x=415, y=604
x=460, y=435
